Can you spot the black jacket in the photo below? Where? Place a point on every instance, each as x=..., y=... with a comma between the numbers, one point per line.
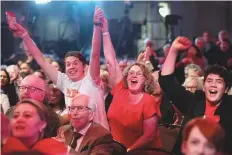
x=193, y=105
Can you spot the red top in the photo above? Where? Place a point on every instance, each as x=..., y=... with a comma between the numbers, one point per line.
x=210, y=111
x=126, y=120
x=47, y=146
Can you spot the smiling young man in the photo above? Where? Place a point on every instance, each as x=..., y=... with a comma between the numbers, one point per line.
x=212, y=103
x=75, y=80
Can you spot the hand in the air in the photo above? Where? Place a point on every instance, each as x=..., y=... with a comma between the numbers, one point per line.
x=19, y=31
x=104, y=27
x=181, y=43
x=98, y=15
x=148, y=53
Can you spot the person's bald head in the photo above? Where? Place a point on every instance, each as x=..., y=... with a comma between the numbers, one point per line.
x=32, y=87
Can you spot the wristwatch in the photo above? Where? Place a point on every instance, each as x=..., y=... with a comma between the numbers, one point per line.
x=97, y=23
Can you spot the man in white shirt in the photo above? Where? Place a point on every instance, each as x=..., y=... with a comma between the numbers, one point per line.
x=75, y=80
x=82, y=135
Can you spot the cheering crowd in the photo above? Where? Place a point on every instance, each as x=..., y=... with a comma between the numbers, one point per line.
x=116, y=108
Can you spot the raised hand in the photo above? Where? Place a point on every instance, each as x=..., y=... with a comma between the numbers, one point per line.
x=104, y=27
x=19, y=31
x=148, y=53
x=98, y=15
x=141, y=57
x=181, y=43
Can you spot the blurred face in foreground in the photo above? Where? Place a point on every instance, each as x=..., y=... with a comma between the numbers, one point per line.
x=197, y=144
x=26, y=123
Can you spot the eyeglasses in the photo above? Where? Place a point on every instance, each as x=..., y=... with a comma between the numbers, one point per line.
x=29, y=89
x=191, y=87
x=79, y=108
x=135, y=73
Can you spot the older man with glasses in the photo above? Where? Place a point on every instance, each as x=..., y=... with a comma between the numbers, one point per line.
x=32, y=87
x=82, y=135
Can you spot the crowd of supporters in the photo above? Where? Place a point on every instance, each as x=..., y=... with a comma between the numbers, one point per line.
x=117, y=107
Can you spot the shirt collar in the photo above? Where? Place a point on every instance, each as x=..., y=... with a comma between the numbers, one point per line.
x=84, y=130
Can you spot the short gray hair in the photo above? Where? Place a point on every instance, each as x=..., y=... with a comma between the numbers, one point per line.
x=91, y=103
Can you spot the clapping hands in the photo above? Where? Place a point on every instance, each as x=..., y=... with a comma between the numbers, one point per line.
x=99, y=17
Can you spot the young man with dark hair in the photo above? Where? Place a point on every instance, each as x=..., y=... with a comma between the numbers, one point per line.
x=75, y=80
x=212, y=103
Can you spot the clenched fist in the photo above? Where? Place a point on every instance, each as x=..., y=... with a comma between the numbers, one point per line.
x=181, y=43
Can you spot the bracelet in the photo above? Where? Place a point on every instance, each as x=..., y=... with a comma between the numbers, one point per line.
x=97, y=23
x=24, y=34
x=105, y=33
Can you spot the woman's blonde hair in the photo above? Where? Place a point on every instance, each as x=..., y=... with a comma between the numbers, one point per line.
x=149, y=85
x=199, y=81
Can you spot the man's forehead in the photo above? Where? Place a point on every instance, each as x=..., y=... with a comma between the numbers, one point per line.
x=80, y=100
x=24, y=65
x=33, y=81
x=214, y=76
x=71, y=59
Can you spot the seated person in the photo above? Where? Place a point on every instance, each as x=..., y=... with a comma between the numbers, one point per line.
x=57, y=102
x=212, y=102
x=202, y=136
x=82, y=135
x=33, y=87
x=27, y=125
x=193, y=83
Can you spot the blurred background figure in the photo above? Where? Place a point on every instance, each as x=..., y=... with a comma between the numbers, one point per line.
x=193, y=83
x=56, y=65
x=25, y=69
x=57, y=102
x=192, y=70
x=200, y=44
x=123, y=64
x=13, y=71
x=40, y=74
x=222, y=35
x=104, y=75
x=7, y=88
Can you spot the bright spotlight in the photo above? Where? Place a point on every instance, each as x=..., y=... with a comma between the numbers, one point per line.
x=164, y=10
x=42, y=1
